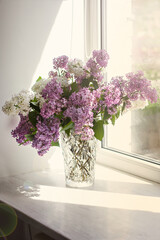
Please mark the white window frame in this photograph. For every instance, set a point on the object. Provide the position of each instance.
(94, 25)
(129, 164)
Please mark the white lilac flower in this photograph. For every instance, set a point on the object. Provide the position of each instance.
(40, 99)
(22, 101)
(63, 81)
(138, 104)
(10, 109)
(76, 67)
(19, 103)
(40, 85)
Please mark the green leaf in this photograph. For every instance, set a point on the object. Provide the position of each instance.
(16, 106)
(39, 79)
(34, 100)
(74, 87)
(33, 117)
(98, 130)
(123, 107)
(95, 84)
(35, 107)
(34, 132)
(106, 114)
(68, 131)
(67, 126)
(117, 114)
(29, 137)
(56, 144)
(86, 82)
(113, 119)
(66, 92)
(106, 122)
(59, 116)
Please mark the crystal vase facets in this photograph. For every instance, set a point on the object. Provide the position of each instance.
(79, 160)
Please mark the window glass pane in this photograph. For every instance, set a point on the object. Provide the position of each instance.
(132, 30)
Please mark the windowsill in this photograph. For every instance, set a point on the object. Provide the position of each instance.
(118, 206)
(128, 164)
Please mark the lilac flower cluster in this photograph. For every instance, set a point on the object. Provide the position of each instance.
(74, 98)
(60, 62)
(134, 87)
(97, 62)
(84, 97)
(54, 102)
(79, 109)
(138, 87)
(47, 131)
(112, 98)
(23, 128)
(101, 57)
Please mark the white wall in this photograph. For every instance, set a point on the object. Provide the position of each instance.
(32, 32)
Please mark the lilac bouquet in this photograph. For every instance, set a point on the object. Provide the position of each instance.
(74, 99)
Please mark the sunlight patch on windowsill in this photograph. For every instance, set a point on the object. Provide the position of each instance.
(98, 199)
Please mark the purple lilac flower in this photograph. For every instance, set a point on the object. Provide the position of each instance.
(112, 95)
(80, 106)
(107, 96)
(138, 87)
(82, 98)
(97, 62)
(23, 128)
(151, 95)
(48, 109)
(92, 64)
(128, 104)
(52, 74)
(87, 133)
(119, 83)
(54, 101)
(47, 131)
(94, 69)
(81, 116)
(101, 56)
(68, 75)
(99, 77)
(52, 90)
(60, 62)
(97, 99)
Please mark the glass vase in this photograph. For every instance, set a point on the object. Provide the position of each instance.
(79, 160)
